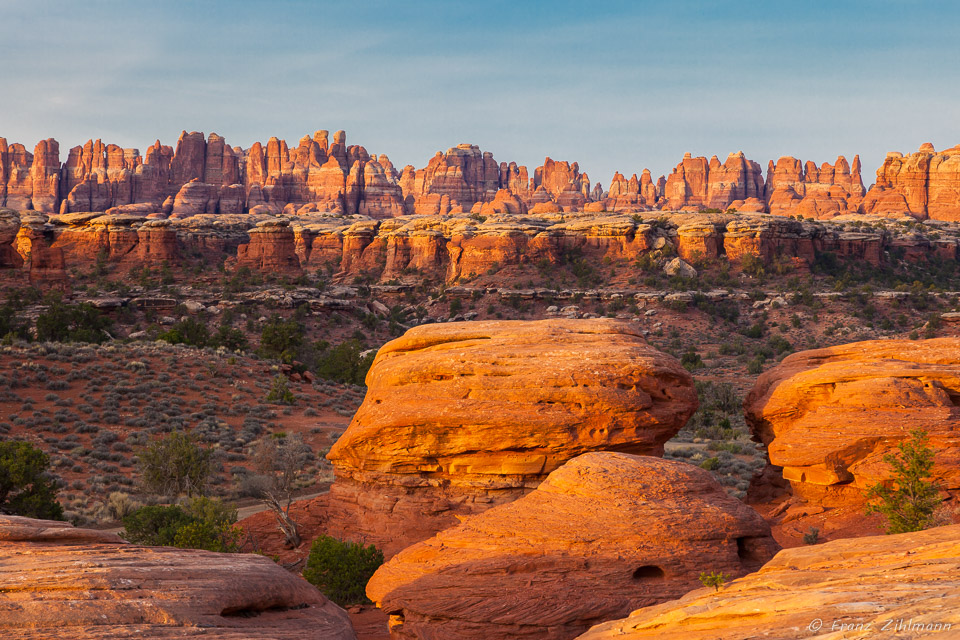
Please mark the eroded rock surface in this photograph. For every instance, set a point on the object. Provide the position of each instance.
(461, 417)
(57, 581)
(602, 535)
(900, 586)
(829, 415)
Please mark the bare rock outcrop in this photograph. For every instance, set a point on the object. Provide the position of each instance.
(461, 417)
(57, 581)
(902, 586)
(604, 534)
(925, 184)
(829, 415)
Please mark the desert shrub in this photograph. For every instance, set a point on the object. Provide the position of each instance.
(202, 523)
(281, 339)
(72, 323)
(909, 498)
(175, 465)
(190, 332)
(344, 363)
(713, 579)
(230, 338)
(341, 569)
(25, 487)
(280, 391)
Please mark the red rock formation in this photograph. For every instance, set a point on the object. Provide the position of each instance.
(604, 534)
(9, 228)
(829, 415)
(271, 248)
(906, 582)
(464, 175)
(699, 183)
(42, 261)
(924, 185)
(496, 419)
(564, 183)
(60, 582)
(810, 192)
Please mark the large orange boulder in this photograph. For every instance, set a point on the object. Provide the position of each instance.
(602, 535)
(828, 416)
(901, 586)
(60, 582)
(463, 416)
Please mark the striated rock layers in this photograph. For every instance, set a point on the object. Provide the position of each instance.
(699, 183)
(447, 248)
(925, 184)
(793, 188)
(900, 586)
(461, 417)
(829, 415)
(57, 581)
(604, 534)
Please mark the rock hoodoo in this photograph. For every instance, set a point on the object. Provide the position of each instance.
(461, 417)
(907, 584)
(602, 535)
(57, 581)
(829, 415)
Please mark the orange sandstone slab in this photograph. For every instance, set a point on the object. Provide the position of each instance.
(57, 581)
(901, 586)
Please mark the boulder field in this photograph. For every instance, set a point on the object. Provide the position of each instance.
(828, 416)
(57, 581)
(461, 417)
(899, 586)
(602, 535)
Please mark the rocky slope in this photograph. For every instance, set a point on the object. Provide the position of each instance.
(829, 415)
(903, 586)
(602, 535)
(461, 417)
(58, 581)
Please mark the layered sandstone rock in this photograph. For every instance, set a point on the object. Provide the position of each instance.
(793, 188)
(604, 534)
(697, 183)
(829, 415)
(903, 586)
(925, 184)
(58, 581)
(271, 248)
(461, 417)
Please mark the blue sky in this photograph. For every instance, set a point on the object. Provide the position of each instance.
(617, 86)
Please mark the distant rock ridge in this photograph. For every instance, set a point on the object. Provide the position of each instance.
(455, 247)
(323, 174)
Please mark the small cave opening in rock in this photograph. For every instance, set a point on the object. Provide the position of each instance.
(648, 572)
(748, 551)
(254, 611)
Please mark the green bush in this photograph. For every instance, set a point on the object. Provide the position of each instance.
(342, 569)
(343, 363)
(175, 465)
(280, 392)
(281, 339)
(25, 487)
(910, 497)
(189, 332)
(202, 523)
(72, 323)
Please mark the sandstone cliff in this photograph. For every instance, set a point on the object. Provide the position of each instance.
(925, 184)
